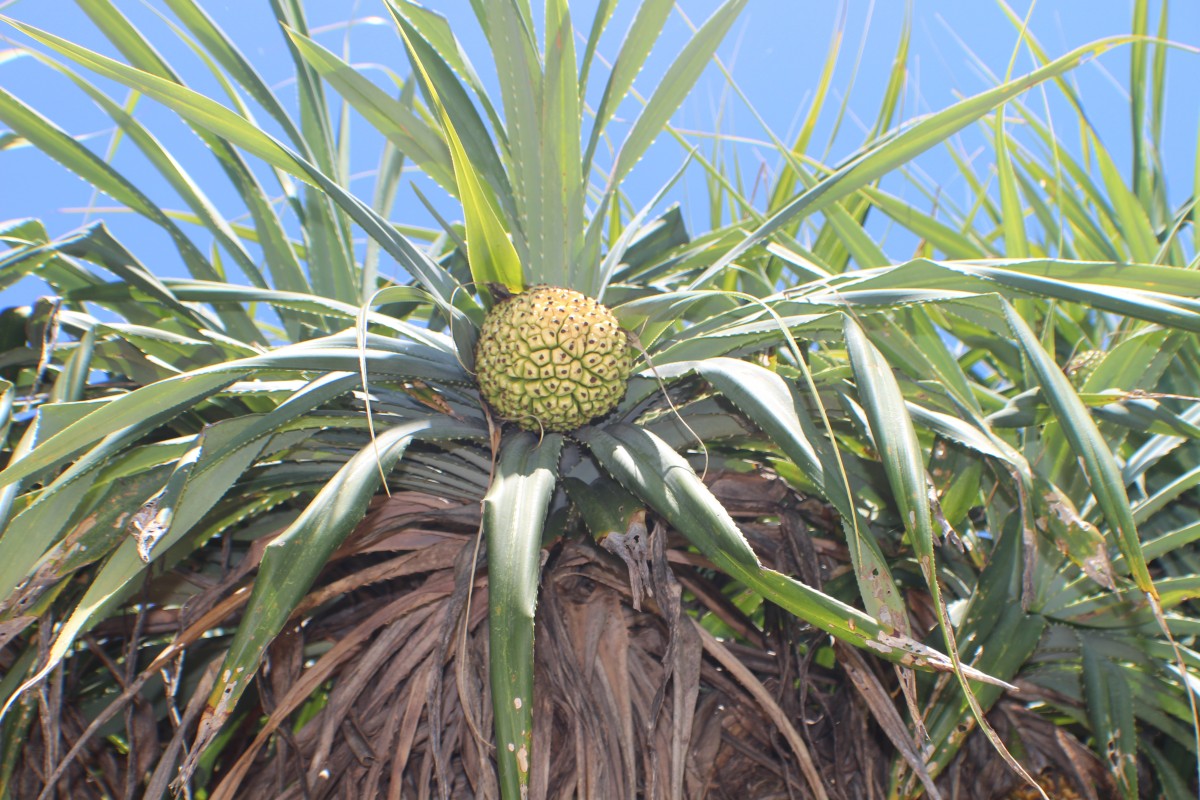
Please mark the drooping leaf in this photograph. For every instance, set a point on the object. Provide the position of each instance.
(895, 437)
(211, 116)
(292, 561)
(514, 511)
(666, 482)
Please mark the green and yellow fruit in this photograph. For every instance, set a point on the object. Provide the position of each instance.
(552, 359)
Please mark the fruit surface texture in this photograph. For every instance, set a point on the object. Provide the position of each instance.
(552, 359)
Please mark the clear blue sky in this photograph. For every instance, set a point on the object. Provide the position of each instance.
(775, 51)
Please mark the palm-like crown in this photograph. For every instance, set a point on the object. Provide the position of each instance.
(922, 401)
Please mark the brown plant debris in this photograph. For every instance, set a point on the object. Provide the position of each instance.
(378, 685)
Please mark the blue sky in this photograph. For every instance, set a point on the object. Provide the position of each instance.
(776, 52)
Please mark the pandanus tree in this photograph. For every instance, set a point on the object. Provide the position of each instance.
(802, 451)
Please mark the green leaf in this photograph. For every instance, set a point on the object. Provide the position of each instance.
(635, 48)
(767, 401)
(149, 406)
(559, 234)
(435, 29)
(900, 451)
(786, 184)
(637, 241)
(605, 506)
(326, 227)
(490, 252)
(215, 118)
(292, 561)
(285, 267)
(514, 511)
(218, 45)
(123, 417)
(1016, 243)
(94, 243)
(208, 292)
(206, 213)
(890, 153)
(387, 182)
(392, 118)
(317, 138)
(604, 11)
(1089, 445)
(1161, 295)
(28, 535)
(442, 59)
(651, 470)
(60, 146)
(998, 637)
(1135, 227)
(7, 394)
(510, 32)
(1109, 704)
(681, 76)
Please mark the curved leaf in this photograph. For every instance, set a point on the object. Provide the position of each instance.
(650, 469)
(901, 454)
(885, 156)
(767, 401)
(292, 561)
(1089, 445)
(144, 408)
(216, 118)
(670, 92)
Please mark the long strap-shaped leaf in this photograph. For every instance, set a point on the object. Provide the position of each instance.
(1162, 295)
(212, 116)
(649, 468)
(286, 572)
(206, 213)
(292, 561)
(443, 63)
(514, 511)
(391, 117)
(326, 229)
(28, 534)
(490, 251)
(1088, 443)
(60, 146)
(508, 25)
(435, 29)
(900, 451)
(277, 252)
(218, 292)
(643, 32)
(151, 405)
(670, 92)
(226, 53)
(219, 456)
(767, 401)
(559, 233)
(1105, 479)
(1110, 709)
(681, 76)
(901, 148)
(999, 638)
